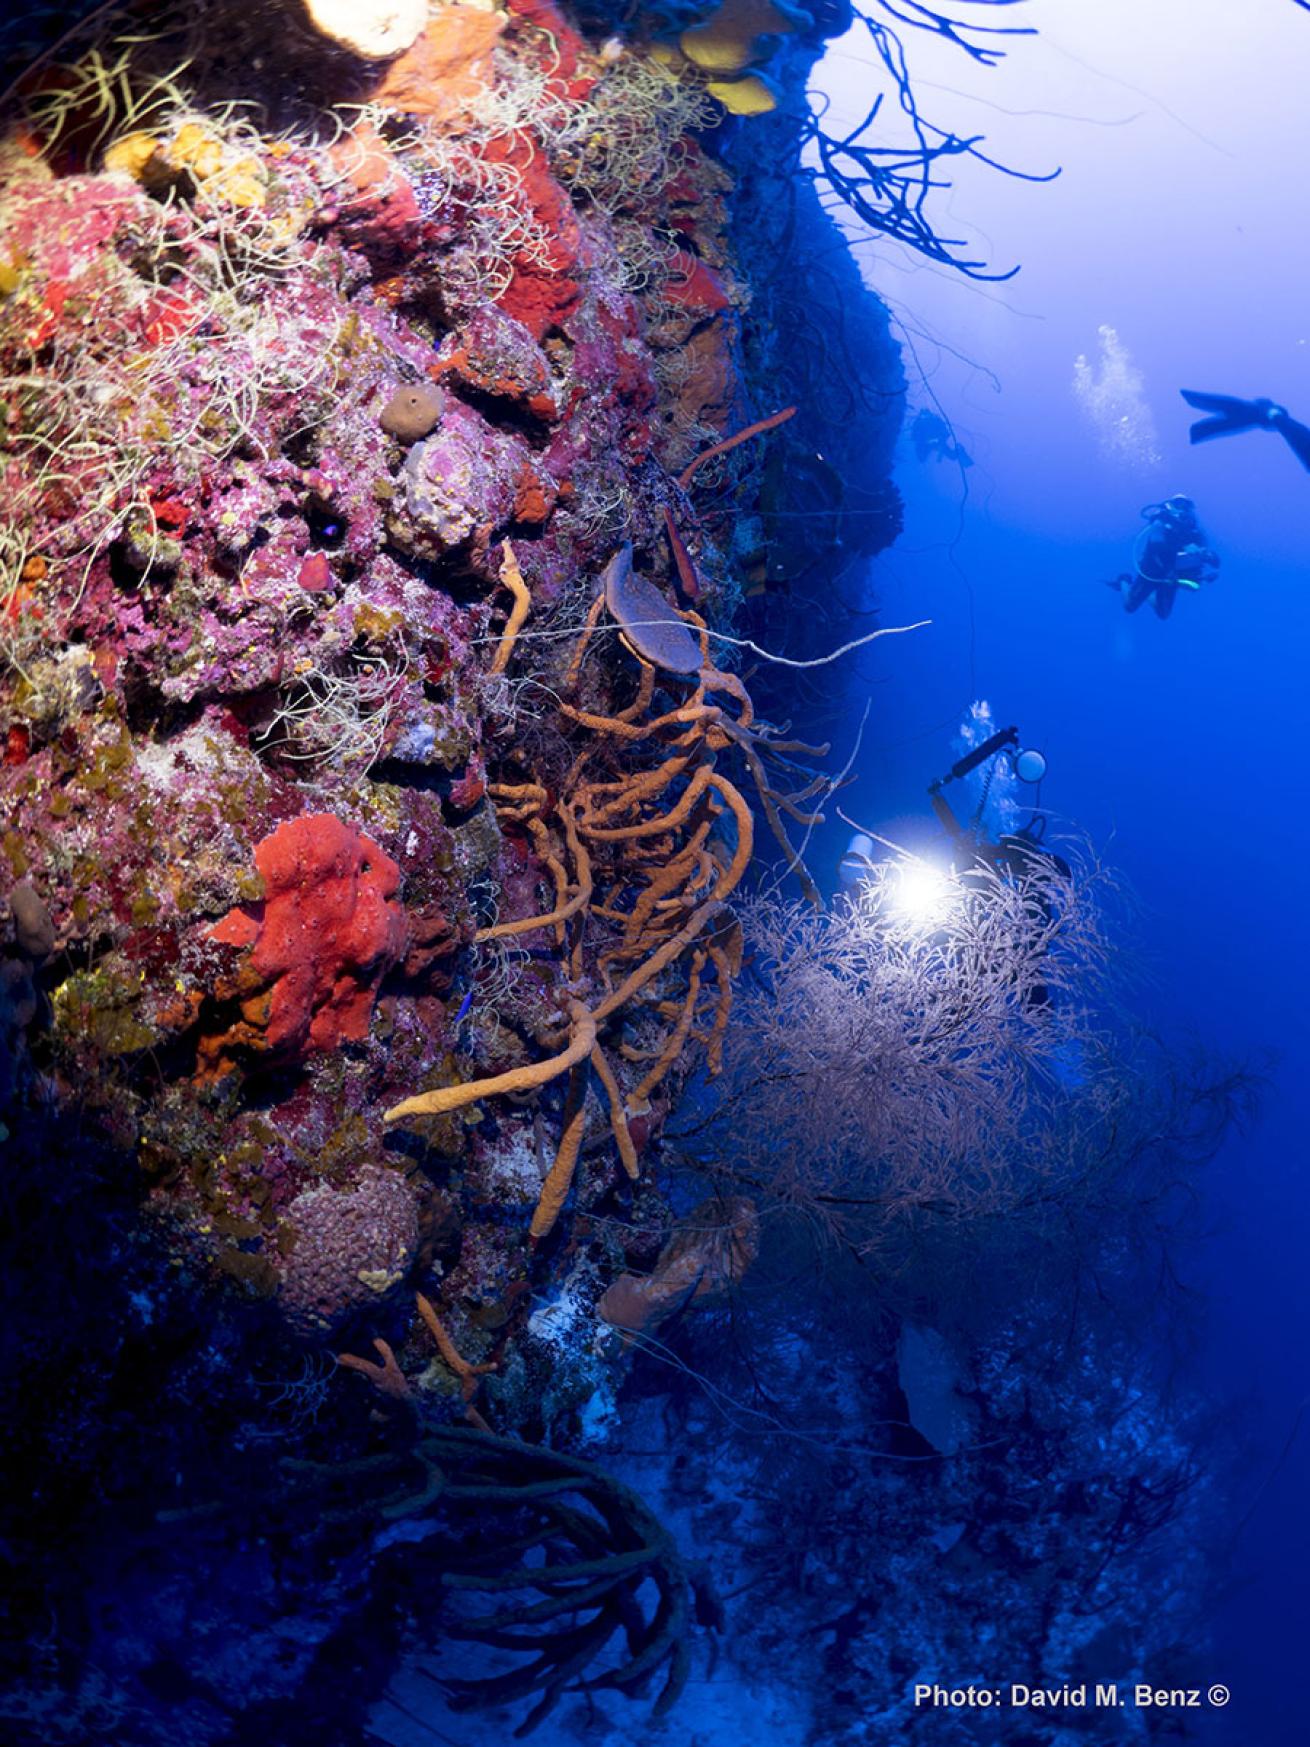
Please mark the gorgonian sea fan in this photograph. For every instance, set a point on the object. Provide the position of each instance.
(892, 1065)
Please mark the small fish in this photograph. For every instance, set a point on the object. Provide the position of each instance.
(464, 1006)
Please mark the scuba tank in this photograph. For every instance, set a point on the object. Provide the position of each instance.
(854, 865)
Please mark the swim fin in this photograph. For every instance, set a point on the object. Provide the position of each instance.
(1296, 436)
(1228, 414)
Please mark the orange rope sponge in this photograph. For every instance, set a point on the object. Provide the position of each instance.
(563, 910)
(722, 1012)
(437, 1103)
(512, 577)
(676, 1039)
(388, 1376)
(468, 1374)
(618, 1120)
(696, 712)
(703, 779)
(761, 425)
(580, 647)
(559, 1179)
(657, 961)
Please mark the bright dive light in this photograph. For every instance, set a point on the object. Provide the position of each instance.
(923, 894)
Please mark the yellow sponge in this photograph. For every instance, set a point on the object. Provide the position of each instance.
(753, 95)
(727, 41)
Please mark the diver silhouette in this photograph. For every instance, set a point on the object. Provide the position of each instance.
(1169, 553)
(1228, 416)
(934, 439)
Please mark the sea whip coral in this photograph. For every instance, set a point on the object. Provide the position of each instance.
(327, 932)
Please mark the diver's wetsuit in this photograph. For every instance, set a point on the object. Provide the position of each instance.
(933, 438)
(1157, 553)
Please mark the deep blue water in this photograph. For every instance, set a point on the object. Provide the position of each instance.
(1178, 747)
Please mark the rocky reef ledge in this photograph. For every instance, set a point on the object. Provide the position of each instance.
(367, 870)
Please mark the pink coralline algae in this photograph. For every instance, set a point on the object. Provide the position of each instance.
(327, 932)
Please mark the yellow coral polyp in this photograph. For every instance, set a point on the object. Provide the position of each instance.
(196, 150)
(239, 184)
(202, 154)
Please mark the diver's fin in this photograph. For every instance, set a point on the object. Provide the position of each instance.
(1297, 438)
(1228, 414)
(1204, 429)
(1228, 404)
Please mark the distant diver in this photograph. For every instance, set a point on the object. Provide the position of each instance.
(934, 439)
(1228, 416)
(1168, 554)
(1013, 854)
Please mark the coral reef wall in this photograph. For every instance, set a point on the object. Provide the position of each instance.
(367, 892)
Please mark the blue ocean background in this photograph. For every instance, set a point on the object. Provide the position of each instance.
(1179, 748)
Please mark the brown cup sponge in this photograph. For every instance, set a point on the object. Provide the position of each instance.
(412, 411)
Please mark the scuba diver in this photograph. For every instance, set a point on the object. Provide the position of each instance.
(1168, 554)
(1013, 852)
(1228, 416)
(933, 438)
